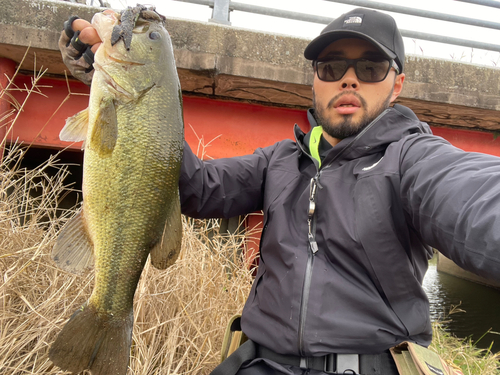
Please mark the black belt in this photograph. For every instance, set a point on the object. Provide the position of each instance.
(366, 364)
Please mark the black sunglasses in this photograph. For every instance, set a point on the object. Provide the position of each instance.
(367, 70)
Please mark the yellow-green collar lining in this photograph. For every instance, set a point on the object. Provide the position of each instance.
(316, 134)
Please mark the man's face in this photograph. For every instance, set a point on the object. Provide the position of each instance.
(345, 107)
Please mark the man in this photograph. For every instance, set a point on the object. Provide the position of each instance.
(350, 212)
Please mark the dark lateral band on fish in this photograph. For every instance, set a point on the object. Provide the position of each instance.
(128, 20)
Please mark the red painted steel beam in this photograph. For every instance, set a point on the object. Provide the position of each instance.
(469, 140)
(46, 111)
(7, 70)
(216, 128)
(227, 128)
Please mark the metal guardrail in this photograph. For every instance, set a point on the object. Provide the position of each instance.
(222, 9)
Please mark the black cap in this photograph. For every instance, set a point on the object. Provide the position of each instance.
(378, 28)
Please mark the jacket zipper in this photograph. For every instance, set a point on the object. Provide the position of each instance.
(313, 247)
(311, 223)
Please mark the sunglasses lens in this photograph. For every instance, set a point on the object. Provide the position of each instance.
(366, 70)
(372, 71)
(331, 70)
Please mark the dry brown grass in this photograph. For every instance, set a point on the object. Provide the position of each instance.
(30, 304)
(180, 313)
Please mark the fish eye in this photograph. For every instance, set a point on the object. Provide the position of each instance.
(154, 35)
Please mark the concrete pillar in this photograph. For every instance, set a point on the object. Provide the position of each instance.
(7, 69)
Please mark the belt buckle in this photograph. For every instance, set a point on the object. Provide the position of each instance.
(329, 365)
(303, 363)
(347, 364)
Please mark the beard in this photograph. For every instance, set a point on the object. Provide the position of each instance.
(347, 127)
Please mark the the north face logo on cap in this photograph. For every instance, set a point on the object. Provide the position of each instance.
(353, 20)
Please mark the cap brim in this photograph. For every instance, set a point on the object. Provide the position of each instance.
(318, 44)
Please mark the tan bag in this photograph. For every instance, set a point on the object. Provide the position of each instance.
(233, 337)
(413, 359)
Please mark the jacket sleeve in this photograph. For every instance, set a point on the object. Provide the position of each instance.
(222, 188)
(453, 200)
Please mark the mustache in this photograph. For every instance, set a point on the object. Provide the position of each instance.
(333, 100)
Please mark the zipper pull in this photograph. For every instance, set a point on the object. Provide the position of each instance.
(312, 208)
(312, 197)
(313, 186)
(313, 244)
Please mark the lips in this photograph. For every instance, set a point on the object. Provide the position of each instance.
(347, 101)
(347, 104)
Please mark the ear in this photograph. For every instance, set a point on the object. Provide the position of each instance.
(398, 86)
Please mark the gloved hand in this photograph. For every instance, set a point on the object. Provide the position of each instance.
(77, 43)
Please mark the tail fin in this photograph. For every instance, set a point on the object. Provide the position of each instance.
(88, 341)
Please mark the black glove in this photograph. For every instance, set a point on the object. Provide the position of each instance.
(77, 56)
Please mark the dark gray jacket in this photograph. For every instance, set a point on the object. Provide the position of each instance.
(383, 197)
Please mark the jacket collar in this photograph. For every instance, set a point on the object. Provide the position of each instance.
(391, 126)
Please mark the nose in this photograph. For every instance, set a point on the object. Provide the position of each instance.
(349, 80)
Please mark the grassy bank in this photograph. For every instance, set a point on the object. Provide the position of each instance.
(463, 353)
(180, 313)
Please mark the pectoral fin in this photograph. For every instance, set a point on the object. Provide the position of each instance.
(76, 127)
(166, 251)
(105, 130)
(73, 250)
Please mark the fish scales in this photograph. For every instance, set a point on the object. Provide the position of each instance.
(122, 212)
(133, 132)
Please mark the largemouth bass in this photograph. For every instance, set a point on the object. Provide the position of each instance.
(133, 132)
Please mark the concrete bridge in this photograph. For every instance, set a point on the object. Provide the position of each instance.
(242, 89)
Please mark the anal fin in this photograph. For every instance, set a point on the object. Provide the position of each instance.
(73, 250)
(166, 251)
